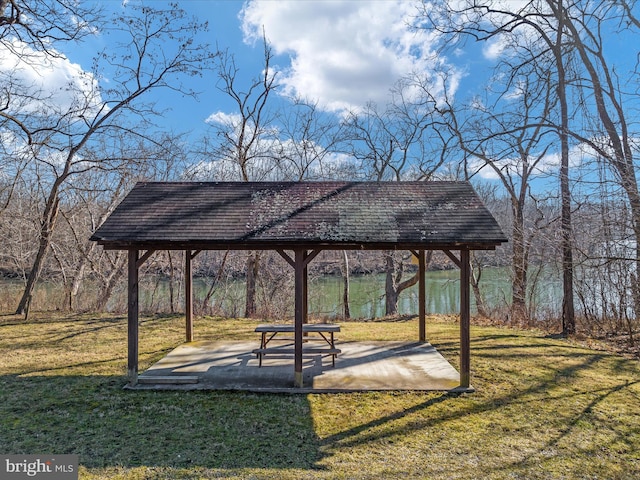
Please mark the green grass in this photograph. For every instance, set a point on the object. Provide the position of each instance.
(544, 408)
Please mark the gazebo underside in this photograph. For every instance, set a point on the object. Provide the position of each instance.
(299, 220)
(362, 366)
(299, 261)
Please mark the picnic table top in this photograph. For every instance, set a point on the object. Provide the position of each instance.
(307, 327)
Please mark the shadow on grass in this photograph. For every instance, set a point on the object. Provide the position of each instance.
(584, 415)
(358, 434)
(107, 427)
(544, 397)
(502, 343)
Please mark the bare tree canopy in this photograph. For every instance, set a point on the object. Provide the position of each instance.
(58, 138)
(42, 24)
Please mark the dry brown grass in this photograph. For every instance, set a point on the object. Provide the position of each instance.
(544, 408)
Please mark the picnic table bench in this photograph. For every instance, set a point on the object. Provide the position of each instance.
(325, 333)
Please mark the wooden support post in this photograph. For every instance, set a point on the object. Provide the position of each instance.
(305, 296)
(188, 296)
(305, 291)
(300, 303)
(465, 319)
(132, 318)
(422, 297)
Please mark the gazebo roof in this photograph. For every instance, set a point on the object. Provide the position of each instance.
(268, 215)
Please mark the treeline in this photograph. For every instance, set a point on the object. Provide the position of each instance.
(553, 126)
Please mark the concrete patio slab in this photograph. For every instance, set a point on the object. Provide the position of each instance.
(362, 366)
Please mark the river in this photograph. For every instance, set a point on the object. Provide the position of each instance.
(366, 299)
(325, 294)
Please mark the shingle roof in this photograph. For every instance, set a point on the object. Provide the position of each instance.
(263, 215)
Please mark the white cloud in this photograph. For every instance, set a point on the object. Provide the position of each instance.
(494, 48)
(548, 164)
(518, 90)
(276, 159)
(11, 144)
(343, 53)
(44, 85)
(222, 118)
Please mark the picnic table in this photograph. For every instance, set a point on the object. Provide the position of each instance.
(325, 333)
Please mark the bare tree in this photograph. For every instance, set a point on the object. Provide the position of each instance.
(592, 106)
(612, 138)
(541, 65)
(239, 138)
(64, 134)
(257, 142)
(602, 283)
(29, 30)
(395, 143)
(514, 145)
(91, 198)
(42, 24)
(308, 145)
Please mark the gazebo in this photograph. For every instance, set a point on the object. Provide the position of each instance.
(299, 220)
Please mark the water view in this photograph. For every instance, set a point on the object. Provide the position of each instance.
(366, 298)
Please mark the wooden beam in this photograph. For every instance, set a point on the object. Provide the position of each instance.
(144, 258)
(188, 295)
(465, 319)
(261, 245)
(299, 262)
(453, 258)
(132, 317)
(422, 297)
(300, 270)
(310, 256)
(287, 258)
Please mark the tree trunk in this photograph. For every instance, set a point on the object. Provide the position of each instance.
(345, 293)
(390, 290)
(66, 303)
(519, 315)
(252, 275)
(393, 285)
(107, 290)
(76, 282)
(111, 281)
(214, 282)
(635, 281)
(79, 276)
(568, 311)
(475, 285)
(49, 219)
(171, 283)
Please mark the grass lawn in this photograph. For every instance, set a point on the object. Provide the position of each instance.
(544, 408)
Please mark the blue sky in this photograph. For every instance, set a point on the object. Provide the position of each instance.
(340, 53)
(187, 114)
